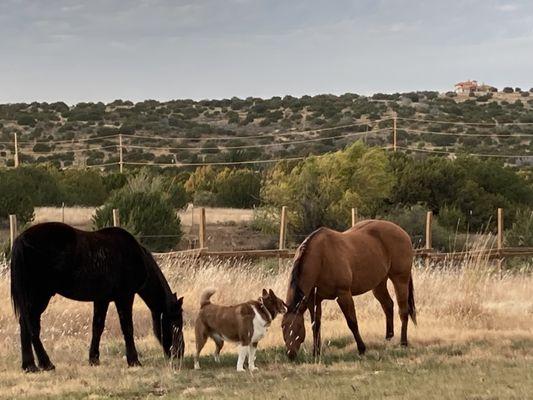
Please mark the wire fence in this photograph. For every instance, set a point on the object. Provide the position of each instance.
(387, 136)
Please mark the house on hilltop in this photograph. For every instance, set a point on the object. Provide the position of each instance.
(473, 86)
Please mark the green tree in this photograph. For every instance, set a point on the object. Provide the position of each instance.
(239, 188)
(82, 187)
(321, 190)
(473, 187)
(14, 198)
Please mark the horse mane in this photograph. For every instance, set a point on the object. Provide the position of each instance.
(297, 270)
(153, 268)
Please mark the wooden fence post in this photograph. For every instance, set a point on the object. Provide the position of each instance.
(283, 228)
(394, 126)
(282, 232)
(116, 217)
(499, 241)
(354, 216)
(120, 156)
(13, 229)
(63, 212)
(16, 155)
(201, 232)
(429, 238)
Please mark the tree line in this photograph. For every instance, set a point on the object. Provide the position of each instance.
(463, 193)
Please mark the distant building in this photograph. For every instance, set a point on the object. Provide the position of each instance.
(466, 86)
(473, 86)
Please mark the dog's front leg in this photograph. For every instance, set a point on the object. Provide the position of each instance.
(251, 357)
(243, 352)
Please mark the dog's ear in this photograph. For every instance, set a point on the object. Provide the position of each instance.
(265, 293)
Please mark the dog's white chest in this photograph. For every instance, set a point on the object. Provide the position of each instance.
(260, 327)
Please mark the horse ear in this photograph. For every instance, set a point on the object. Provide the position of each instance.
(271, 292)
(265, 293)
(175, 295)
(180, 301)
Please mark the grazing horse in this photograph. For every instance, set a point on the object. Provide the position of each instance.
(338, 265)
(103, 266)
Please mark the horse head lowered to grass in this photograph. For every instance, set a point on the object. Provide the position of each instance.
(105, 266)
(338, 265)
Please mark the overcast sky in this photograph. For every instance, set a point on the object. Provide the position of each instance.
(101, 50)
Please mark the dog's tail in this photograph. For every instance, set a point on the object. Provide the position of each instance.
(205, 298)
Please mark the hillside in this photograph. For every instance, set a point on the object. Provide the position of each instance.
(236, 130)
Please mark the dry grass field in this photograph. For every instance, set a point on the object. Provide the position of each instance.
(81, 216)
(474, 341)
(216, 215)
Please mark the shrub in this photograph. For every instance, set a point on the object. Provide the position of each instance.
(266, 219)
(413, 221)
(26, 120)
(507, 90)
(14, 198)
(41, 148)
(521, 232)
(238, 188)
(204, 198)
(177, 194)
(82, 187)
(233, 117)
(146, 211)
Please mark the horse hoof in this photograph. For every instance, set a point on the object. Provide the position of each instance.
(361, 350)
(30, 368)
(404, 344)
(94, 362)
(389, 337)
(48, 367)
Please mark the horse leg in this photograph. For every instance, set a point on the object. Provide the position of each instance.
(345, 301)
(401, 287)
(28, 361)
(37, 308)
(99, 315)
(315, 309)
(382, 294)
(124, 308)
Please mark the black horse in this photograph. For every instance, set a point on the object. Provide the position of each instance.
(103, 266)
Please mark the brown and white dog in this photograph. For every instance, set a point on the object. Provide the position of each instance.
(245, 324)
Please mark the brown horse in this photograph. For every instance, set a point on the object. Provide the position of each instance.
(338, 265)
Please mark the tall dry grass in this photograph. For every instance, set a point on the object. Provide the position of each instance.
(456, 301)
(473, 339)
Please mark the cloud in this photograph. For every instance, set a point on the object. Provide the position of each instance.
(208, 48)
(507, 7)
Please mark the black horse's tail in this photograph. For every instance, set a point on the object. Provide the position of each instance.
(411, 301)
(19, 278)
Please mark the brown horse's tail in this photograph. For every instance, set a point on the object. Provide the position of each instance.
(411, 301)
